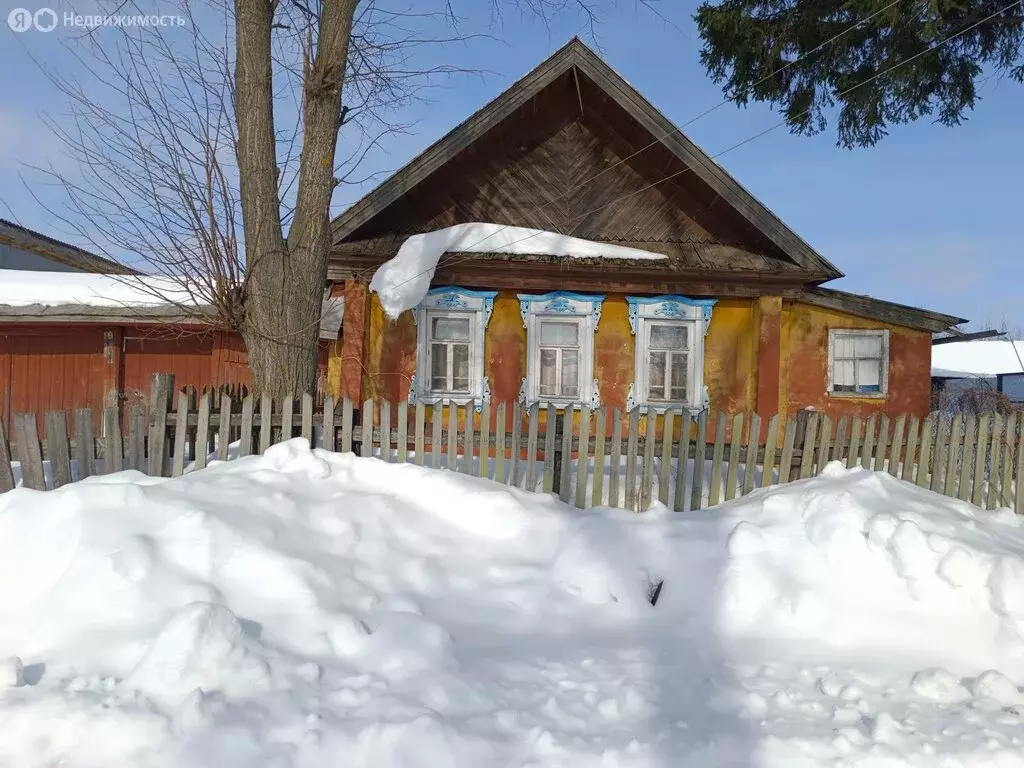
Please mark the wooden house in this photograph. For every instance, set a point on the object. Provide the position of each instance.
(733, 317)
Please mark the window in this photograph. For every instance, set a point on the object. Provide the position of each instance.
(450, 324)
(858, 363)
(669, 334)
(560, 339)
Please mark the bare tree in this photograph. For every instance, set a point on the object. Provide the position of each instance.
(211, 158)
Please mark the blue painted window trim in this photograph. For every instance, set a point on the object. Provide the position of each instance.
(669, 311)
(454, 294)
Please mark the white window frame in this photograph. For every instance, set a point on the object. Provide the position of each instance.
(883, 334)
(561, 306)
(695, 314)
(452, 301)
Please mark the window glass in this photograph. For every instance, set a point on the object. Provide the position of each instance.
(559, 334)
(668, 336)
(450, 329)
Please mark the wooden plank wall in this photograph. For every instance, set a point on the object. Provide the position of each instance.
(629, 460)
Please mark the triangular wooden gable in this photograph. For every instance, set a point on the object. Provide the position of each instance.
(573, 148)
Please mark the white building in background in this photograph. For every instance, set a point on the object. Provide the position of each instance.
(996, 364)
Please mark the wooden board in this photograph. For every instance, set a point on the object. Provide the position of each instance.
(549, 450)
(287, 417)
(29, 453)
(366, 443)
(700, 451)
(753, 439)
(1019, 504)
(137, 427)
(517, 437)
(59, 450)
(897, 445)
(467, 439)
(632, 501)
(85, 445)
(566, 468)
(500, 425)
(484, 466)
(1013, 423)
(403, 432)
(159, 403)
(419, 431)
(452, 448)
(202, 431)
(615, 459)
(910, 455)
(967, 457)
(807, 449)
(980, 459)
(939, 454)
(882, 443)
(6, 471)
(953, 461)
(647, 475)
(715, 490)
(667, 438)
(867, 457)
(583, 458)
(735, 445)
(995, 463)
(113, 448)
(924, 457)
(307, 416)
(685, 428)
(853, 453)
(824, 443)
(435, 436)
(385, 432)
(266, 423)
(786, 459)
(327, 432)
(347, 423)
(770, 448)
(180, 436)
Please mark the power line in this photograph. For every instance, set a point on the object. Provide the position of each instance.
(739, 144)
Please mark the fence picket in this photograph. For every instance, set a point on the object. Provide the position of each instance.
(467, 438)
(327, 434)
(347, 423)
(685, 427)
(452, 448)
(1013, 423)
(30, 453)
(807, 449)
(57, 444)
(287, 417)
(994, 464)
(980, 460)
(939, 458)
(882, 443)
(732, 476)
(615, 460)
(786, 459)
(385, 432)
(907, 473)
(307, 416)
(700, 452)
(924, 463)
(563, 492)
(160, 398)
(770, 447)
(1019, 506)
(718, 453)
(647, 472)
(419, 430)
(753, 442)
(435, 435)
(549, 450)
(517, 437)
(266, 423)
(967, 457)
(842, 438)
(85, 445)
(897, 444)
(597, 494)
(403, 432)
(366, 441)
(867, 458)
(631, 501)
(500, 425)
(202, 432)
(113, 448)
(824, 437)
(180, 435)
(245, 439)
(583, 458)
(530, 483)
(485, 440)
(667, 438)
(137, 427)
(6, 470)
(853, 454)
(953, 462)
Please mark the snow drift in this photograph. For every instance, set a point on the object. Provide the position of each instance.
(313, 609)
(404, 280)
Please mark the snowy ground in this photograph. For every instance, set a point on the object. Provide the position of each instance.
(314, 609)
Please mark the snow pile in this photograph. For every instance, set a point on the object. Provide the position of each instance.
(21, 288)
(311, 609)
(403, 281)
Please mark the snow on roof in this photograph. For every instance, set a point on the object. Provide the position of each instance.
(403, 281)
(987, 357)
(20, 288)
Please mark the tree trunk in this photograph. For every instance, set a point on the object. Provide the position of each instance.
(285, 279)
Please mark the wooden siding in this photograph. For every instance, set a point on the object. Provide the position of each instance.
(147, 351)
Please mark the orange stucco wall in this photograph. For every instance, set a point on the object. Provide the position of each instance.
(804, 377)
(786, 340)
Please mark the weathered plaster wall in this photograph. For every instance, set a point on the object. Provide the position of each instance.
(804, 380)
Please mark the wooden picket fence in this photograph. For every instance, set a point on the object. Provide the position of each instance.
(628, 459)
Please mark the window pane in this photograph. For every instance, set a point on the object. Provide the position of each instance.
(450, 329)
(548, 363)
(869, 374)
(460, 367)
(665, 336)
(868, 346)
(439, 367)
(570, 373)
(842, 374)
(656, 376)
(678, 377)
(843, 346)
(560, 334)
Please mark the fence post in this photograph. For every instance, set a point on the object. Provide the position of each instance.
(159, 404)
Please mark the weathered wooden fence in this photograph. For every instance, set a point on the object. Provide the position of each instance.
(628, 459)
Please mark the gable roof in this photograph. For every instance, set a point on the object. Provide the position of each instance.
(30, 241)
(579, 59)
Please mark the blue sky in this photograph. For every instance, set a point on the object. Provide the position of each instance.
(931, 216)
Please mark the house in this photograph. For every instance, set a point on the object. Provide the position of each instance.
(80, 331)
(995, 365)
(628, 269)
